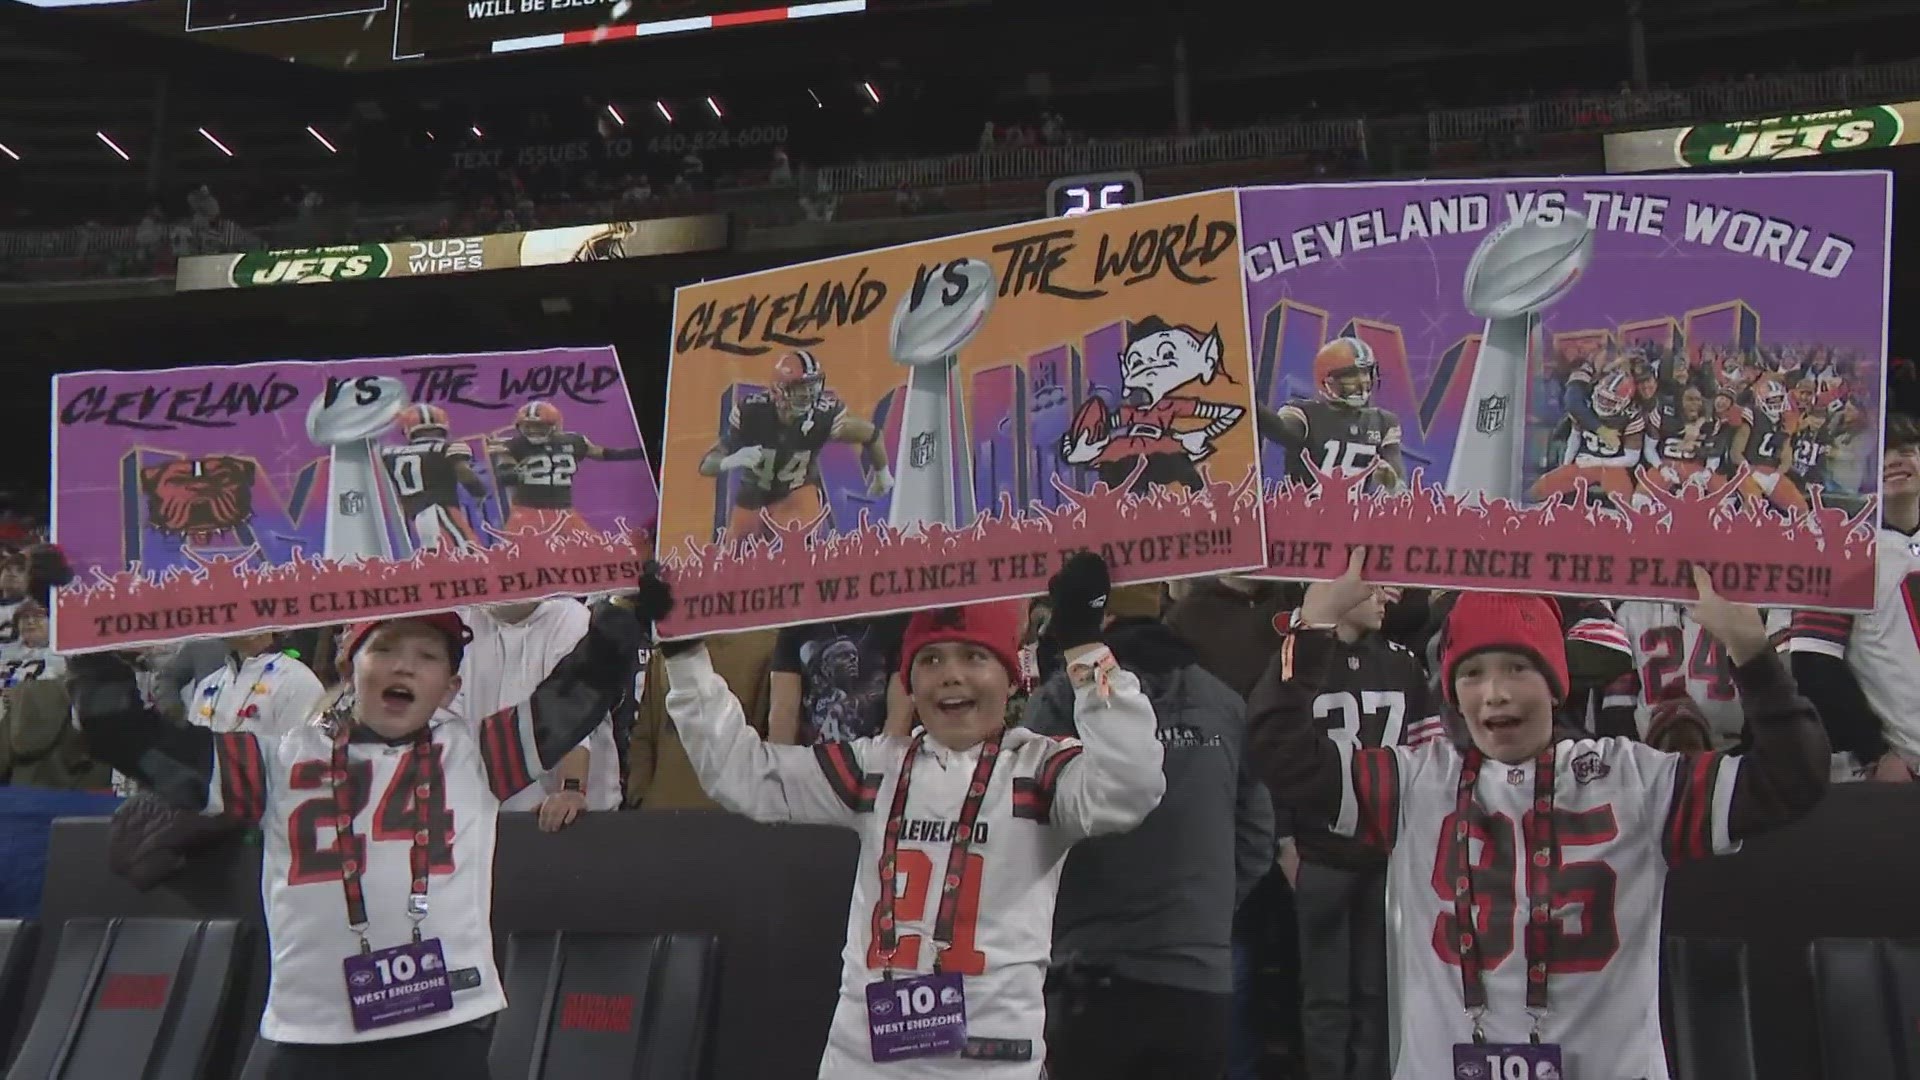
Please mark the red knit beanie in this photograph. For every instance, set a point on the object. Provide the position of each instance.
(1525, 623)
(995, 627)
(449, 623)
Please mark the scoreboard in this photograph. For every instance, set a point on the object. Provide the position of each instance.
(1071, 196)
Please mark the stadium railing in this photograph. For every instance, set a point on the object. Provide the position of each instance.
(1004, 178)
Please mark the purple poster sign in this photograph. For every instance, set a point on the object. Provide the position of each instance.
(223, 500)
(1578, 385)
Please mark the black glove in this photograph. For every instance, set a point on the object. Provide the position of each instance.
(47, 569)
(653, 601)
(1079, 596)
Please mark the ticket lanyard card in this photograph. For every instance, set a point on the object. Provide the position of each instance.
(1507, 1061)
(392, 986)
(922, 1016)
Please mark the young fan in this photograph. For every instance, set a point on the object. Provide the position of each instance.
(964, 826)
(378, 820)
(1529, 871)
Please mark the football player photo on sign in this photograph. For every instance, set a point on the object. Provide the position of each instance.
(220, 501)
(941, 422)
(1577, 385)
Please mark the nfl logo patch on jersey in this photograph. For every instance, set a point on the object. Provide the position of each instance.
(1587, 767)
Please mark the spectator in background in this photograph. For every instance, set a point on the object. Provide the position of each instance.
(39, 746)
(830, 681)
(1141, 984)
(178, 668)
(1375, 695)
(638, 192)
(1862, 672)
(1230, 622)
(782, 173)
(257, 688)
(659, 776)
(514, 647)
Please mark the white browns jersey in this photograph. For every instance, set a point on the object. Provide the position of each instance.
(281, 786)
(1045, 794)
(1881, 647)
(1672, 655)
(1623, 811)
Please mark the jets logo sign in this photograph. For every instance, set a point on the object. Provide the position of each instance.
(303, 266)
(1795, 136)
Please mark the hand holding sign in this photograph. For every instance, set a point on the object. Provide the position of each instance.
(1738, 627)
(1327, 601)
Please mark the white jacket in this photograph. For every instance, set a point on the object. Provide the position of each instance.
(1044, 795)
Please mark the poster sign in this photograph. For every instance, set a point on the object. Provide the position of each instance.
(1579, 385)
(943, 422)
(212, 501)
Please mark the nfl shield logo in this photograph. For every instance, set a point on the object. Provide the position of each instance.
(920, 454)
(352, 503)
(1492, 414)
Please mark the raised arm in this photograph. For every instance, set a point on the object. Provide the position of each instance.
(178, 761)
(1112, 777)
(1356, 788)
(520, 743)
(820, 785)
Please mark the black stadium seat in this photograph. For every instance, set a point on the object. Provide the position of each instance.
(1903, 975)
(17, 939)
(146, 998)
(1707, 993)
(1853, 1008)
(612, 1006)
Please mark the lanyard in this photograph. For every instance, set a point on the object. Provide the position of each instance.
(956, 858)
(1542, 854)
(426, 794)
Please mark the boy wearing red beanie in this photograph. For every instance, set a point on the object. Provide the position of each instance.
(1529, 869)
(964, 826)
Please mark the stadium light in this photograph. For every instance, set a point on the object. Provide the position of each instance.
(477, 133)
(111, 145)
(872, 94)
(322, 139)
(817, 103)
(8, 150)
(665, 113)
(217, 144)
(615, 113)
(714, 107)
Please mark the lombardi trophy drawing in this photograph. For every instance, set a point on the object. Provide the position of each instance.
(346, 421)
(1518, 271)
(933, 463)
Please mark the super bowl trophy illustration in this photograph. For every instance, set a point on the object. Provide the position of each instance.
(346, 419)
(1518, 271)
(933, 467)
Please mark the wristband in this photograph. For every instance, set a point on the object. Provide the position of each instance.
(573, 786)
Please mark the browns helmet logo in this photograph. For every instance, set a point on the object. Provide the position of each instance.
(197, 496)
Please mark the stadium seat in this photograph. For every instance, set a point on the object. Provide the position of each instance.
(17, 939)
(148, 998)
(618, 1006)
(1852, 1007)
(1903, 973)
(1707, 993)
